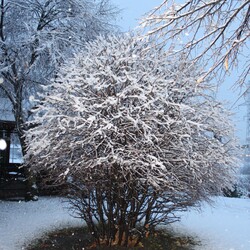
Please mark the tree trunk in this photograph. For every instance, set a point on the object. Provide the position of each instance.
(20, 127)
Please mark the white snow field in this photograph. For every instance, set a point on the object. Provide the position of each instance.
(224, 226)
(20, 222)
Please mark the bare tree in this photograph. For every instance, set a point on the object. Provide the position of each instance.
(36, 37)
(133, 136)
(215, 31)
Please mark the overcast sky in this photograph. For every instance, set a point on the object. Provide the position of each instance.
(131, 12)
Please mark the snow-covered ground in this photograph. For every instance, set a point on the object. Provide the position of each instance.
(224, 226)
(20, 222)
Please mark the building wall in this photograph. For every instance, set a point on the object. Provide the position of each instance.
(6, 110)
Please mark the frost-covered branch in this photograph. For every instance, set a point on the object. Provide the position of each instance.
(132, 134)
(37, 36)
(216, 31)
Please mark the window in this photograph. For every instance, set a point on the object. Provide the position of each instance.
(16, 155)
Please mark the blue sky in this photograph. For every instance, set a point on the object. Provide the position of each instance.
(131, 12)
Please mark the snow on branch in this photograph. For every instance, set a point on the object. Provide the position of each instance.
(135, 139)
(120, 103)
(216, 31)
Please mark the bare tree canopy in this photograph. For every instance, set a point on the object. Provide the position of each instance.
(37, 36)
(214, 31)
(133, 135)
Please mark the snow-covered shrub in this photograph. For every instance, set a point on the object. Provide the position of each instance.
(134, 135)
(234, 192)
(244, 185)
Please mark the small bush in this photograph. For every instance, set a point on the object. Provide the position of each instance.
(134, 136)
(234, 192)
